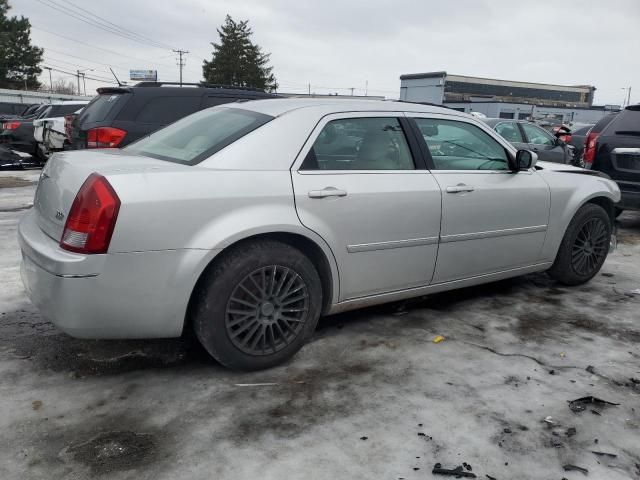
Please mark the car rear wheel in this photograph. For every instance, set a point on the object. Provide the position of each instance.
(584, 247)
(258, 305)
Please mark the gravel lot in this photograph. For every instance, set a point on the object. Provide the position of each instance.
(372, 396)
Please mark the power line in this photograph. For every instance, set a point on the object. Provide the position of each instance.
(75, 75)
(123, 29)
(96, 22)
(97, 48)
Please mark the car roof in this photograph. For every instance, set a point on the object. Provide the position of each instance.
(276, 107)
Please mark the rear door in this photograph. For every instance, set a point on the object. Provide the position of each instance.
(361, 187)
(492, 219)
(543, 143)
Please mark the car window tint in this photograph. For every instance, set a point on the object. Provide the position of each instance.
(198, 136)
(536, 135)
(374, 143)
(510, 132)
(461, 146)
(165, 110)
(100, 106)
(582, 130)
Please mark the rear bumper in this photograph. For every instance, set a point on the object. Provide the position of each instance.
(121, 295)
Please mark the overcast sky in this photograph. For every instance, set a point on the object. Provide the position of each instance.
(337, 45)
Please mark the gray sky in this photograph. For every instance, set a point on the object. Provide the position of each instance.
(336, 45)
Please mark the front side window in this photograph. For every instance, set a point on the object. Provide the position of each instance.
(461, 146)
(536, 135)
(374, 143)
(198, 136)
(510, 132)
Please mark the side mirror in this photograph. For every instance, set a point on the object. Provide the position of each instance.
(525, 159)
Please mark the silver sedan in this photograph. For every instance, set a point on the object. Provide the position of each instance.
(249, 221)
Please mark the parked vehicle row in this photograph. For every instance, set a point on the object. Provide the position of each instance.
(18, 133)
(247, 221)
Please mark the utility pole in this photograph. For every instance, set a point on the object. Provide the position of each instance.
(84, 85)
(78, 77)
(50, 81)
(180, 62)
(309, 89)
(628, 96)
(352, 89)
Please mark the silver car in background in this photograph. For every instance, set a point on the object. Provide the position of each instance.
(249, 221)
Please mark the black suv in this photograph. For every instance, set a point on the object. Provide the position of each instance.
(121, 115)
(613, 147)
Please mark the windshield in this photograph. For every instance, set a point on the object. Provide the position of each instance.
(198, 136)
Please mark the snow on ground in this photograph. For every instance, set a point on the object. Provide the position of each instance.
(370, 397)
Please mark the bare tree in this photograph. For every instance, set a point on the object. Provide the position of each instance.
(60, 85)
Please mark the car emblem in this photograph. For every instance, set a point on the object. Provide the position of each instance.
(59, 215)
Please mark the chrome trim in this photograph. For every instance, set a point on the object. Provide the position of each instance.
(492, 233)
(385, 297)
(73, 275)
(413, 242)
(626, 151)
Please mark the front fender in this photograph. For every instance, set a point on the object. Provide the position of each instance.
(569, 192)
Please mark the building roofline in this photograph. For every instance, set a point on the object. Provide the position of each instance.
(446, 103)
(413, 76)
(416, 76)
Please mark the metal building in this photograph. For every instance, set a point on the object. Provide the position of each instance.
(503, 98)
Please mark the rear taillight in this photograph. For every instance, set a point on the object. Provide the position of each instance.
(104, 137)
(590, 147)
(10, 125)
(92, 217)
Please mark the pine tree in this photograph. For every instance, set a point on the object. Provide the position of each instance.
(19, 60)
(237, 61)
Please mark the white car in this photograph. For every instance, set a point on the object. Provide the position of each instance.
(248, 221)
(50, 133)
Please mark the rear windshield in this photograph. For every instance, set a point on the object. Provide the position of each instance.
(626, 123)
(99, 107)
(198, 136)
(62, 110)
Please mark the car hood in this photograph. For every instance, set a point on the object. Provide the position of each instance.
(559, 167)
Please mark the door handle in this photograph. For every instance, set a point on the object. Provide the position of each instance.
(327, 192)
(460, 188)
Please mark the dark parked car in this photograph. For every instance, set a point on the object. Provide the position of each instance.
(577, 138)
(17, 133)
(613, 147)
(18, 110)
(121, 115)
(526, 135)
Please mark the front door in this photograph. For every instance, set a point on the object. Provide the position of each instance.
(357, 185)
(492, 219)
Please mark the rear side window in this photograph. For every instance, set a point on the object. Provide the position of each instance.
(99, 107)
(198, 136)
(360, 144)
(165, 110)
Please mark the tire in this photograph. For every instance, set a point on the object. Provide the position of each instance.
(584, 247)
(617, 212)
(243, 318)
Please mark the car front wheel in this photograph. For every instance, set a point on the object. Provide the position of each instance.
(584, 247)
(258, 305)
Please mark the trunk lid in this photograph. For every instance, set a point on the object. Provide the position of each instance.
(65, 172)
